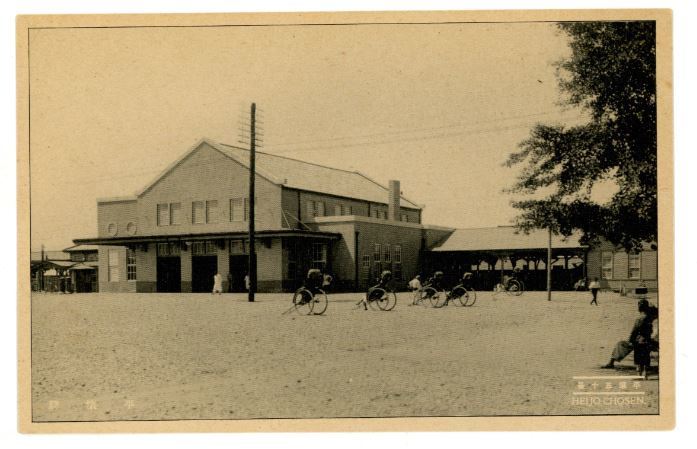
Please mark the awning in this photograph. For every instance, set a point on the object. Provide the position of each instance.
(81, 266)
(127, 240)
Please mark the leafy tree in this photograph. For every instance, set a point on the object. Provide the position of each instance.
(611, 74)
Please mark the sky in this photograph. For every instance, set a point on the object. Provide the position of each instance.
(438, 107)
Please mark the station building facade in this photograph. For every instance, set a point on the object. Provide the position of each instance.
(191, 222)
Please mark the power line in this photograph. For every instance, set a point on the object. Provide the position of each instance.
(413, 139)
(415, 130)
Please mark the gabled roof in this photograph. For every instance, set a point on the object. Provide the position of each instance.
(298, 174)
(504, 238)
(76, 248)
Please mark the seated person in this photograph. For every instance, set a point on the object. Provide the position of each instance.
(383, 282)
(467, 280)
(641, 340)
(314, 280)
(436, 281)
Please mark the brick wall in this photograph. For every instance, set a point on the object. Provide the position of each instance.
(118, 213)
(123, 284)
(205, 175)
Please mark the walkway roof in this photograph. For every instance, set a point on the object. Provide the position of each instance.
(503, 238)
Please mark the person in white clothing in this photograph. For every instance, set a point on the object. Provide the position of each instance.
(217, 283)
(415, 284)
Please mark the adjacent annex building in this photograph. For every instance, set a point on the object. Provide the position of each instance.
(191, 222)
(493, 252)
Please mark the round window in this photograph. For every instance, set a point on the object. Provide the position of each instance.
(131, 228)
(112, 229)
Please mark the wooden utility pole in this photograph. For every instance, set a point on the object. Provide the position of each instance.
(252, 173)
(549, 264)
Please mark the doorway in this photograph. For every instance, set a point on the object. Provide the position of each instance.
(203, 268)
(239, 267)
(169, 270)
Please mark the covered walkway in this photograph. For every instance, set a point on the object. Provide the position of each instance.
(492, 253)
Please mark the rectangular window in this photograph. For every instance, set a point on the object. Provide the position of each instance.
(163, 214)
(398, 253)
(607, 265)
(310, 208)
(319, 255)
(635, 266)
(319, 209)
(405, 218)
(198, 212)
(169, 214)
(175, 213)
(211, 247)
(77, 257)
(384, 214)
(114, 265)
(237, 209)
(377, 270)
(212, 211)
(366, 261)
(386, 253)
(397, 271)
(168, 249)
(338, 209)
(238, 247)
(198, 248)
(163, 249)
(292, 254)
(377, 252)
(92, 257)
(375, 213)
(130, 264)
(349, 210)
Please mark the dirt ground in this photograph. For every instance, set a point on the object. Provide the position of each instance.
(102, 357)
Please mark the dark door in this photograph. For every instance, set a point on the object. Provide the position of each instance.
(83, 281)
(239, 267)
(203, 268)
(169, 271)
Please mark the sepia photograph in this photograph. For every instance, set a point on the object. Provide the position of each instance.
(364, 221)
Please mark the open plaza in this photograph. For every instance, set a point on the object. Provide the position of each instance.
(126, 356)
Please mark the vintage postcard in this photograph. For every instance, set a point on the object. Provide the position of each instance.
(346, 221)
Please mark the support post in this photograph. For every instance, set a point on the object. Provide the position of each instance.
(549, 264)
(252, 173)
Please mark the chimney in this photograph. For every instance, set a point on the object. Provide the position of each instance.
(393, 201)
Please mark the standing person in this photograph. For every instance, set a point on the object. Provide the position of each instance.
(246, 281)
(415, 284)
(218, 283)
(229, 282)
(594, 286)
(414, 287)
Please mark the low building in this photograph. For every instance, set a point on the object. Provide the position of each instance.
(192, 221)
(49, 271)
(620, 270)
(84, 273)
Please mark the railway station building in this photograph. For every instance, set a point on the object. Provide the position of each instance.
(191, 222)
